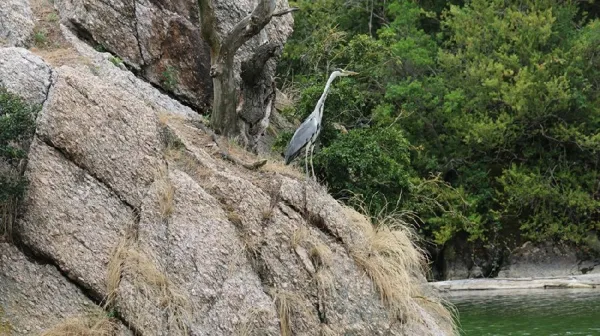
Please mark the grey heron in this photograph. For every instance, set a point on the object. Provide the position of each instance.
(307, 133)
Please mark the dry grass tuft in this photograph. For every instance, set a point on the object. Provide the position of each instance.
(235, 218)
(8, 215)
(93, 325)
(300, 235)
(66, 55)
(326, 331)
(286, 303)
(155, 286)
(324, 281)
(321, 255)
(163, 118)
(392, 261)
(249, 326)
(277, 166)
(395, 265)
(284, 311)
(267, 213)
(115, 270)
(441, 308)
(187, 163)
(391, 266)
(176, 153)
(152, 289)
(166, 195)
(169, 139)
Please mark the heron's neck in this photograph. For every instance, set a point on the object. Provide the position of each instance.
(324, 95)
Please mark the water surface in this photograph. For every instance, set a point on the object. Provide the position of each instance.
(550, 312)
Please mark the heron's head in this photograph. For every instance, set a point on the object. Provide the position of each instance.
(344, 73)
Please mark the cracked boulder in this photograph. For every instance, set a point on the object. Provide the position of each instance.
(87, 120)
(99, 65)
(83, 192)
(16, 23)
(24, 74)
(35, 297)
(80, 217)
(112, 23)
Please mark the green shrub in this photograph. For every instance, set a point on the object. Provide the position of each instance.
(369, 162)
(17, 126)
(169, 78)
(40, 37)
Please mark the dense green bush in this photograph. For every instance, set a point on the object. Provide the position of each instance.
(481, 116)
(17, 126)
(380, 170)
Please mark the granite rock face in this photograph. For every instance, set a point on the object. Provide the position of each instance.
(24, 74)
(16, 23)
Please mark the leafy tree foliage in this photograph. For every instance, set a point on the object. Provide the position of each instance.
(381, 170)
(482, 116)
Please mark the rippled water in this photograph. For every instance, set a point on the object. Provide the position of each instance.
(528, 312)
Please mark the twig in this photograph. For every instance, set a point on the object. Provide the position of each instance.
(286, 11)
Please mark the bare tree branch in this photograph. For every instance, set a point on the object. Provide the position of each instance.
(208, 25)
(285, 11)
(248, 27)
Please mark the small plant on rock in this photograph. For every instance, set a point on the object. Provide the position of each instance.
(169, 78)
(40, 38)
(115, 60)
(52, 17)
(100, 48)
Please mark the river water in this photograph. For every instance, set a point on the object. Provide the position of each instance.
(550, 312)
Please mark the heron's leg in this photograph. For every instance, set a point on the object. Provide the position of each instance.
(312, 168)
(306, 160)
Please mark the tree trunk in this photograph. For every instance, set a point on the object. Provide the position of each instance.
(224, 118)
(229, 103)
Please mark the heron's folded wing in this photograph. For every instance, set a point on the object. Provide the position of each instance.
(300, 139)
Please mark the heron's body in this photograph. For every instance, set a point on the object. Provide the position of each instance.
(307, 133)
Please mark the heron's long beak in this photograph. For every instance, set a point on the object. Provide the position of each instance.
(351, 73)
